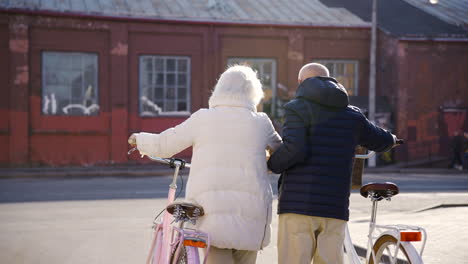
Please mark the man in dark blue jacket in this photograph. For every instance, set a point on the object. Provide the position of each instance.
(320, 133)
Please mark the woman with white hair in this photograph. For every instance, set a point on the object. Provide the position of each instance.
(228, 176)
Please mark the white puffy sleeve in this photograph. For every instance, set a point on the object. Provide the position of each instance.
(169, 142)
(273, 138)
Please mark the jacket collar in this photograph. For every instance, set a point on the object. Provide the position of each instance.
(231, 101)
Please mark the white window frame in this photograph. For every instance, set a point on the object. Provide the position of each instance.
(49, 101)
(356, 71)
(260, 61)
(165, 72)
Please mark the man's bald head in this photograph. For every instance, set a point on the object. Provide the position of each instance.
(312, 70)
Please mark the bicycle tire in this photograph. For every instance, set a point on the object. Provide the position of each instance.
(389, 242)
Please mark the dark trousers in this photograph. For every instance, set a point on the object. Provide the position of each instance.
(456, 159)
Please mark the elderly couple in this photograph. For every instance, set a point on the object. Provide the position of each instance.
(229, 173)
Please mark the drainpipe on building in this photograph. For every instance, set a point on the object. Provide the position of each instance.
(372, 160)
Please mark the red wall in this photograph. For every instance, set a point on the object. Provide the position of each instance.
(341, 45)
(4, 99)
(35, 139)
(421, 78)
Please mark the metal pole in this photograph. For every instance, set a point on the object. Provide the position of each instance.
(372, 160)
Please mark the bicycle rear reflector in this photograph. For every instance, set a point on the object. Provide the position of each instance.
(195, 243)
(410, 236)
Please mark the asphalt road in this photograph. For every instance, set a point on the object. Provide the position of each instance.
(104, 188)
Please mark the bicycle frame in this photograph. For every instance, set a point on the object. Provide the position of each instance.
(393, 230)
(164, 239)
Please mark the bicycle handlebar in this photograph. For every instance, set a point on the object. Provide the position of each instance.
(172, 162)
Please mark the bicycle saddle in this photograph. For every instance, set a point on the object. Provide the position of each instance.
(189, 209)
(379, 191)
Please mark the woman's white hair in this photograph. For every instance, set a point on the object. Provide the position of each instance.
(237, 86)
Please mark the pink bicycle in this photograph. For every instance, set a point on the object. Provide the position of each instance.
(171, 243)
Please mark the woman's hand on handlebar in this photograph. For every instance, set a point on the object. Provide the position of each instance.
(132, 140)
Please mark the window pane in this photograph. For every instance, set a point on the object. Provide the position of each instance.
(170, 65)
(159, 64)
(51, 78)
(168, 86)
(182, 106)
(266, 80)
(170, 106)
(349, 69)
(147, 64)
(182, 93)
(160, 79)
(267, 68)
(170, 93)
(75, 62)
(147, 79)
(158, 93)
(69, 83)
(170, 79)
(331, 68)
(182, 65)
(345, 72)
(339, 68)
(77, 89)
(181, 79)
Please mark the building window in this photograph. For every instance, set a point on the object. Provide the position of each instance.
(69, 83)
(164, 85)
(345, 72)
(266, 70)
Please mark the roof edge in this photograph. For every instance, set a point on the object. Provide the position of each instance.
(434, 39)
(81, 15)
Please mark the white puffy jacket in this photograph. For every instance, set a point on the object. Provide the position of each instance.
(229, 175)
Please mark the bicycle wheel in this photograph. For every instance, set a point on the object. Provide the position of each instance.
(385, 247)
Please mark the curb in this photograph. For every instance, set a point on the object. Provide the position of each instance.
(441, 205)
(366, 219)
(415, 171)
(151, 171)
(85, 172)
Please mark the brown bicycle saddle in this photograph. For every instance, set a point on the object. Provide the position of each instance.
(379, 191)
(189, 209)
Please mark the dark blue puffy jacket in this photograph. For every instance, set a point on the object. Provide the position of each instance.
(320, 133)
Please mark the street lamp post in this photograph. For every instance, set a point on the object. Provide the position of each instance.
(371, 112)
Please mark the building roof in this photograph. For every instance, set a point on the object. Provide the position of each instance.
(451, 11)
(276, 12)
(400, 18)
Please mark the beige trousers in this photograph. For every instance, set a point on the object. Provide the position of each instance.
(231, 256)
(303, 238)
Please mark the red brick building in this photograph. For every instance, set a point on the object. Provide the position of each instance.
(78, 77)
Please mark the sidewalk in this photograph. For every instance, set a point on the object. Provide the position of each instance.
(446, 229)
(119, 231)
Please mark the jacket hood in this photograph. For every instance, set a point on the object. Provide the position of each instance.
(324, 91)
